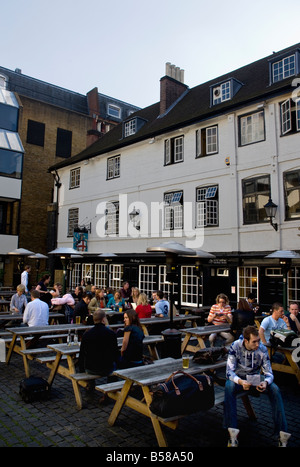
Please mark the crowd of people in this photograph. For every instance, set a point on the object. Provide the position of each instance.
(248, 365)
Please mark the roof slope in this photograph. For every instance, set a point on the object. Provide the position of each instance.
(193, 107)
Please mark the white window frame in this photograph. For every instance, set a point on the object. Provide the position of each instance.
(247, 280)
(112, 218)
(252, 128)
(147, 278)
(207, 208)
(211, 141)
(74, 178)
(73, 216)
(191, 287)
(298, 114)
(224, 92)
(115, 276)
(75, 276)
(130, 127)
(100, 275)
(174, 150)
(113, 167)
(87, 271)
(173, 210)
(285, 117)
(283, 68)
(114, 111)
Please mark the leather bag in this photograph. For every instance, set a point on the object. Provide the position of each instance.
(210, 355)
(182, 395)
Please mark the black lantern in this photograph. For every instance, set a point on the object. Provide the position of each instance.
(271, 209)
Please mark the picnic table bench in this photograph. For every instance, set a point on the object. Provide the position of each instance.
(200, 333)
(146, 377)
(290, 364)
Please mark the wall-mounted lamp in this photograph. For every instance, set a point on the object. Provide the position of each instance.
(271, 209)
(134, 214)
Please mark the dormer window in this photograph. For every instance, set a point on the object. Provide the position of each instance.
(114, 111)
(283, 68)
(221, 93)
(224, 91)
(132, 126)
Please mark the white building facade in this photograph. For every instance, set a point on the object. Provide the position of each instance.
(197, 169)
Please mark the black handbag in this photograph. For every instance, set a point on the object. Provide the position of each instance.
(210, 355)
(182, 395)
(34, 389)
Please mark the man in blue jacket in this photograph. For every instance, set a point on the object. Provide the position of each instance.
(247, 359)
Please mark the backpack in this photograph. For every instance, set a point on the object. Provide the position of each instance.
(282, 337)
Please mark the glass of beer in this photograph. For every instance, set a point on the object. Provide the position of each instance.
(185, 361)
(77, 319)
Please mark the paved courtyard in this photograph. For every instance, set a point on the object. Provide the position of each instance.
(58, 423)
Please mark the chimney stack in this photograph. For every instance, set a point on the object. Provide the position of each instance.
(171, 86)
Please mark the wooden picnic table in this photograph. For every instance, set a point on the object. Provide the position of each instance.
(153, 321)
(72, 351)
(145, 377)
(292, 358)
(7, 317)
(23, 332)
(200, 333)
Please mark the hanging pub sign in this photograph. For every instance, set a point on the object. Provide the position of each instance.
(80, 239)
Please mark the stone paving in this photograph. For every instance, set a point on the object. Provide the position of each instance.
(58, 423)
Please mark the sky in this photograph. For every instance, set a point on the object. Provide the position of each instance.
(121, 46)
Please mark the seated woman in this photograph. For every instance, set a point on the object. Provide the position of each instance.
(132, 346)
(242, 317)
(98, 301)
(116, 302)
(134, 297)
(143, 309)
(219, 314)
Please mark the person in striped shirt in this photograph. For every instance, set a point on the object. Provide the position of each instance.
(220, 313)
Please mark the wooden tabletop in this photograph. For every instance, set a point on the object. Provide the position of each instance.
(29, 330)
(152, 374)
(206, 330)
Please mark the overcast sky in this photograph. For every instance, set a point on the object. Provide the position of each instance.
(121, 46)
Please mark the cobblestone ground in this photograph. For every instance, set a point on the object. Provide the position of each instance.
(58, 423)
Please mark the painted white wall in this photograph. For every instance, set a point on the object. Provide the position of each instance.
(10, 187)
(145, 179)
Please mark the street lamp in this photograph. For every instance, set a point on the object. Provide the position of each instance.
(271, 209)
(285, 258)
(65, 255)
(172, 250)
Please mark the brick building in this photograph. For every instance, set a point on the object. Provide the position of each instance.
(53, 124)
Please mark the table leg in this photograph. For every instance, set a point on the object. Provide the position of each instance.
(11, 348)
(185, 342)
(120, 402)
(54, 368)
(153, 351)
(25, 359)
(75, 384)
(161, 439)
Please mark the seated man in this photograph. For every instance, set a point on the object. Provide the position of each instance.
(99, 348)
(162, 306)
(36, 312)
(247, 359)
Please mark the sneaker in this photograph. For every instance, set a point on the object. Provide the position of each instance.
(233, 442)
(283, 439)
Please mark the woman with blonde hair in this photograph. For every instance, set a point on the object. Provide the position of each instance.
(143, 309)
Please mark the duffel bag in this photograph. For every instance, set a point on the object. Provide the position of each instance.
(182, 395)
